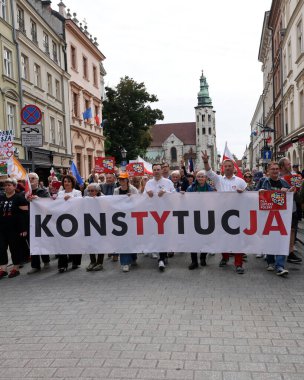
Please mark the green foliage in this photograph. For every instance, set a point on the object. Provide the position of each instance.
(127, 118)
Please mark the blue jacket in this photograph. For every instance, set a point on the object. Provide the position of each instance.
(266, 185)
(193, 188)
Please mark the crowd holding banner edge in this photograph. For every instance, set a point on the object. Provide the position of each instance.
(16, 198)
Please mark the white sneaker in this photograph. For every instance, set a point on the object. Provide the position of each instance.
(259, 256)
(125, 268)
(154, 256)
(161, 265)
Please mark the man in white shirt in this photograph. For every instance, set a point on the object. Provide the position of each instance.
(227, 182)
(159, 186)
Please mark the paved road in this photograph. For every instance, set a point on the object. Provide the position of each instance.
(205, 324)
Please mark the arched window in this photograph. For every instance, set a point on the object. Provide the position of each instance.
(173, 154)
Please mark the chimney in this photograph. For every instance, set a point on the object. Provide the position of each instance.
(46, 4)
(61, 7)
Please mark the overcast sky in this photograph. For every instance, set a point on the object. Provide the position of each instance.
(167, 43)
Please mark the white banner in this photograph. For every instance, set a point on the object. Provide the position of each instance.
(192, 222)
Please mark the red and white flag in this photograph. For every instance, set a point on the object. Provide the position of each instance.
(228, 156)
(28, 187)
(52, 172)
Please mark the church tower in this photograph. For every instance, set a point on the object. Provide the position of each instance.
(205, 126)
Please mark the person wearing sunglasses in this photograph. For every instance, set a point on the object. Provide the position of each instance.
(248, 178)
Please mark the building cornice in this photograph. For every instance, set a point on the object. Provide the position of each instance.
(74, 29)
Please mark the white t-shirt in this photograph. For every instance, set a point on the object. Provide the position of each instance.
(222, 183)
(74, 194)
(157, 186)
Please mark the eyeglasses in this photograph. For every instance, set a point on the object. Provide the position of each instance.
(32, 177)
(91, 191)
(248, 176)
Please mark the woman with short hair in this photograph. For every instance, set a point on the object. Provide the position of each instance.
(125, 188)
(68, 183)
(13, 227)
(200, 185)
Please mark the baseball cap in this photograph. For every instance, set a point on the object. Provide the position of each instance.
(123, 175)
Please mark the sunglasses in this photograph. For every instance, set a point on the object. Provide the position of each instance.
(248, 176)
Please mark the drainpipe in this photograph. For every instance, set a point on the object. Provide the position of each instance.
(21, 103)
(273, 93)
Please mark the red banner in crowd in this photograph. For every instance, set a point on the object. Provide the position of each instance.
(135, 169)
(272, 200)
(105, 165)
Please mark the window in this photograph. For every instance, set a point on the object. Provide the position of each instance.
(209, 117)
(8, 68)
(85, 67)
(11, 116)
(198, 131)
(299, 38)
(95, 80)
(289, 58)
(173, 154)
(55, 51)
(86, 104)
(50, 84)
(301, 101)
(204, 131)
(46, 43)
(37, 75)
(203, 118)
(197, 118)
(52, 130)
(78, 161)
(292, 126)
(73, 57)
(34, 32)
(75, 104)
(284, 65)
(60, 133)
(3, 9)
(90, 162)
(24, 67)
(57, 89)
(286, 121)
(20, 19)
(209, 131)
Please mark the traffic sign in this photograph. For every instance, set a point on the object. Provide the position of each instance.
(267, 154)
(31, 114)
(31, 135)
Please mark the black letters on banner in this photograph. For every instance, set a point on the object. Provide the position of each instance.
(42, 226)
(197, 223)
(119, 223)
(225, 219)
(74, 222)
(180, 220)
(100, 228)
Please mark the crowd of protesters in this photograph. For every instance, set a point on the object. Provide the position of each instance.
(15, 204)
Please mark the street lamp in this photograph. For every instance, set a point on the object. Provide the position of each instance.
(123, 155)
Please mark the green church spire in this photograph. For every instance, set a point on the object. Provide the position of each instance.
(203, 96)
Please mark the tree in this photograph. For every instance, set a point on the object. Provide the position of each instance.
(127, 118)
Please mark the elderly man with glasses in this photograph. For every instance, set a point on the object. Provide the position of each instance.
(37, 192)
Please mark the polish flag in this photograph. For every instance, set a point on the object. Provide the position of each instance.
(52, 172)
(28, 187)
(228, 156)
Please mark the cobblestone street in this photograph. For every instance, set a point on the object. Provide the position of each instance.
(205, 324)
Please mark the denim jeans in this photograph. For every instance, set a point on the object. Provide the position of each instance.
(278, 260)
(126, 258)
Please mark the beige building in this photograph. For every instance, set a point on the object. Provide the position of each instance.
(293, 80)
(84, 64)
(44, 81)
(10, 100)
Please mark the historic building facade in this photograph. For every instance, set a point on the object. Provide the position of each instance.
(176, 142)
(10, 99)
(84, 64)
(44, 81)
